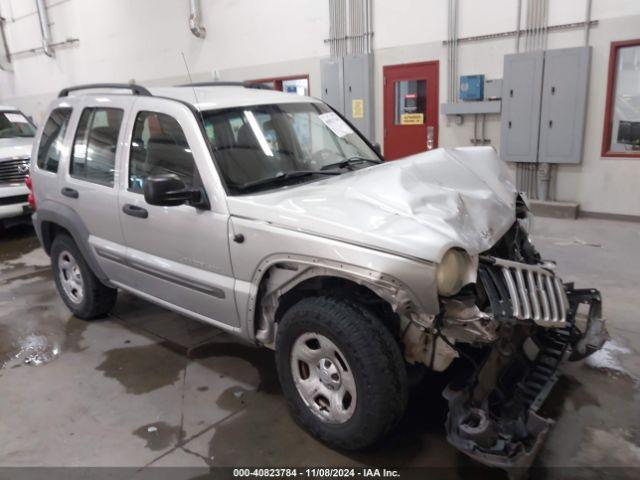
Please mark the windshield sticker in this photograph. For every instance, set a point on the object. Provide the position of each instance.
(336, 124)
(15, 118)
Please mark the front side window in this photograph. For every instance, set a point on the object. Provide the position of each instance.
(158, 147)
(15, 125)
(289, 142)
(94, 149)
(51, 141)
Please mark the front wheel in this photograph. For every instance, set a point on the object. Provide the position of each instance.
(341, 371)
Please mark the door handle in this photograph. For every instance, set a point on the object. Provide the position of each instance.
(70, 192)
(135, 211)
(430, 138)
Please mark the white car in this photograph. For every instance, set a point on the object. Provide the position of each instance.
(16, 138)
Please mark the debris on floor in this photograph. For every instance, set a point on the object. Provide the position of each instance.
(577, 241)
(607, 358)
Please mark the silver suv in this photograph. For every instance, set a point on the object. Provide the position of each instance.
(269, 216)
(16, 139)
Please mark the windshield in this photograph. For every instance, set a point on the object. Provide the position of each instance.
(266, 146)
(15, 124)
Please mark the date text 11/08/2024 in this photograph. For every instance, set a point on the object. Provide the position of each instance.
(316, 472)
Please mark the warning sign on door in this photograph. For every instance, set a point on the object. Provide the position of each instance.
(412, 119)
(357, 108)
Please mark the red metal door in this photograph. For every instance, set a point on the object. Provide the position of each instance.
(410, 109)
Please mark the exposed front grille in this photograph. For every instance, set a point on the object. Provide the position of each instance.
(13, 171)
(528, 292)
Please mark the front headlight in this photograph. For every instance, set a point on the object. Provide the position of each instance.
(452, 272)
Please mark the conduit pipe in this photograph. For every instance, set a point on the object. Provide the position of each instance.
(195, 19)
(45, 30)
(455, 50)
(518, 26)
(452, 50)
(587, 23)
(449, 48)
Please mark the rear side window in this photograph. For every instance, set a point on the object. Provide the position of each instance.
(94, 149)
(50, 147)
(159, 146)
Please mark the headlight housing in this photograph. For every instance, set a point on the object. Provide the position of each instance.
(453, 272)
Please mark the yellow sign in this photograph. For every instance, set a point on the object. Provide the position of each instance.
(412, 119)
(357, 108)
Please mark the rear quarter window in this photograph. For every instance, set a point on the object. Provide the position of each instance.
(50, 147)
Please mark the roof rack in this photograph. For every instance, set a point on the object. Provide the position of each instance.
(259, 86)
(135, 89)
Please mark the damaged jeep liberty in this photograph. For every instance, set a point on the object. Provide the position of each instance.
(269, 216)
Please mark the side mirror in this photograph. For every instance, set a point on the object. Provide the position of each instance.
(377, 148)
(169, 191)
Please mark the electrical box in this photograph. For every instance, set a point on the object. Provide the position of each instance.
(521, 89)
(358, 97)
(471, 87)
(564, 103)
(544, 99)
(332, 73)
(346, 86)
(493, 89)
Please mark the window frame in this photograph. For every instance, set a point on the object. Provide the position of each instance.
(123, 122)
(134, 119)
(608, 112)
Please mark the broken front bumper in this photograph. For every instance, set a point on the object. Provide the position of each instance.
(493, 411)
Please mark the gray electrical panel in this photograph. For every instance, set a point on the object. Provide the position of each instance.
(332, 74)
(564, 101)
(346, 86)
(521, 87)
(358, 107)
(544, 99)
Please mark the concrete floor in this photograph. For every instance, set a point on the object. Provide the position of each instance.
(146, 387)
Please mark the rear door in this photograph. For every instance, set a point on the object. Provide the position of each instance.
(89, 183)
(179, 256)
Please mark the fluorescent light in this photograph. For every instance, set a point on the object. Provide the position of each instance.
(258, 133)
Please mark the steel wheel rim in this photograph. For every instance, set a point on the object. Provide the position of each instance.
(323, 378)
(70, 277)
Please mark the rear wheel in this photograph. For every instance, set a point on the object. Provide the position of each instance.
(341, 371)
(80, 289)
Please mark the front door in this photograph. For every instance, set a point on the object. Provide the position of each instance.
(410, 109)
(178, 256)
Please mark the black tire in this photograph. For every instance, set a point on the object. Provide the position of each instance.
(373, 356)
(97, 299)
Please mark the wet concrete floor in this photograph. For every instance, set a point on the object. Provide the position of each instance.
(146, 387)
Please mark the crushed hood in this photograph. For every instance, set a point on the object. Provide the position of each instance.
(11, 148)
(419, 206)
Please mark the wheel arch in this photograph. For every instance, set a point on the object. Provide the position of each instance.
(52, 219)
(280, 282)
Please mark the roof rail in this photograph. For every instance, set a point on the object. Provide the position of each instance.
(135, 89)
(259, 86)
